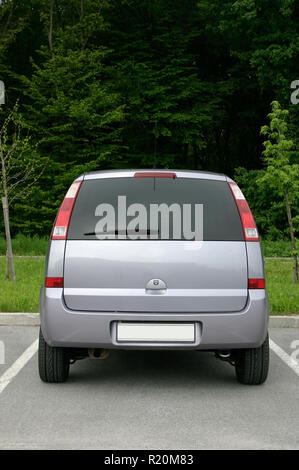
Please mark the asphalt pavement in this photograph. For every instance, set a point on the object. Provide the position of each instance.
(147, 400)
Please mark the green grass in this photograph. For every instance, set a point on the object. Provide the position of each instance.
(35, 246)
(23, 295)
(283, 292)
(22, 245)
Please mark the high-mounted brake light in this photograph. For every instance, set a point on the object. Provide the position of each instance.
(154, 174)
(62, 221)
(54, 282)
(249, 227)
(256, 283)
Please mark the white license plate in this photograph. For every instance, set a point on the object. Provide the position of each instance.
(156, 332)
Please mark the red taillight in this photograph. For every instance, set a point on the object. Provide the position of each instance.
(54, 282)
(256, 283)
(249, 227)
(154, 174)
(62, 221)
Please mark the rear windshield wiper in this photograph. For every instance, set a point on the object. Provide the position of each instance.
(123, 232)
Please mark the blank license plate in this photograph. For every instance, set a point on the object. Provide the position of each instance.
(159, 332)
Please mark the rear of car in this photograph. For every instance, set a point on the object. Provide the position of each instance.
(154, 260)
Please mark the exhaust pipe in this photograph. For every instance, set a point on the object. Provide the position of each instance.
(224, 356)
(96, 353)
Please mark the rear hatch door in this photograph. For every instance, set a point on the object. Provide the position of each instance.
(121, 268)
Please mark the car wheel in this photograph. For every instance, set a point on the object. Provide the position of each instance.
(252, 365)
(53, 363)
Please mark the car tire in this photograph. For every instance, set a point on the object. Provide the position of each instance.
(252, 365)
(53, 363)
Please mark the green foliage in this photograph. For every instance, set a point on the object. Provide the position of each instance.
(267, 207)
(276, 248)
(280, 174)
(75, 114)
(109, 84)
(21, 164)
(26, 246)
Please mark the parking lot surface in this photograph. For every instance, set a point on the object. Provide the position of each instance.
(148, 400)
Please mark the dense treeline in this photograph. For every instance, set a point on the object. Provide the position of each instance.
(127, 83)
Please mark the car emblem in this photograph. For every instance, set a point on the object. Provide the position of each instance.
(155, 284)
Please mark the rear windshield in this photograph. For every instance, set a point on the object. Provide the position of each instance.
(155, 208)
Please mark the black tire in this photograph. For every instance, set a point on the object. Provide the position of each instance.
(53, 363)
(252, 365)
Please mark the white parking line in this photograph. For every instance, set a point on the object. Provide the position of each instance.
(18, 365)
(288, 360)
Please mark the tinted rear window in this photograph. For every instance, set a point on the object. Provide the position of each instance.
(220, 219)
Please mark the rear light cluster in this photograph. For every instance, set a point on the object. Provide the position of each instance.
(62, 221)
(256, 283)
(249, 227)
(54, 282)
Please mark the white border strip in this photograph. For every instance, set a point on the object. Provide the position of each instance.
(288, 360)
(18, 365)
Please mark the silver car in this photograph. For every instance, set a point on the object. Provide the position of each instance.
(154, 259)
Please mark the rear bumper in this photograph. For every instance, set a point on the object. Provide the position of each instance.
(64, 327)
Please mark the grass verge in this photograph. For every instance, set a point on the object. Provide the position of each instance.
(23, 295)
(35, 246)
(26, 246)
(283, 292)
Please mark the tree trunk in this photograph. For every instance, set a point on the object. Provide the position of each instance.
(7, 266)
(8, 240)
(9, 255)
(293, 241)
